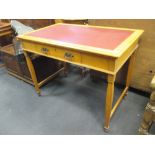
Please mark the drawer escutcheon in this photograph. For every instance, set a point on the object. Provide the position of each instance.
(68, 56)
(44, 50)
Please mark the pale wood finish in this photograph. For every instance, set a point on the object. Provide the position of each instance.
(109, 111)
(73, 21)
(106, 62)
(50, 77)
(109, 100)
(32, 72)
(130, 69)
(126, 45)
(118, 101)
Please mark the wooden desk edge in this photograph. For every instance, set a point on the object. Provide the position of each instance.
(100, 51)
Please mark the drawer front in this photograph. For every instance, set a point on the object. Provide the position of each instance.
(55, 52)
(28, 46)
(44, 49)
(67, 55)
(96, 62)
(38, 48)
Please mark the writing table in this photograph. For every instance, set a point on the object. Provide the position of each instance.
(104, 49)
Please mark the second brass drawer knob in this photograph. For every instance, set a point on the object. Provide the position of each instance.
(68, 56)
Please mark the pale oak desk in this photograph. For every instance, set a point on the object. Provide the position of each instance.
(104, 49)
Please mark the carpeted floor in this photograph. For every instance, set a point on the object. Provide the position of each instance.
(68, 105)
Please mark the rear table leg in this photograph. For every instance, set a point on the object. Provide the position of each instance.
(66, 68)
(130, 69)
(109, 111)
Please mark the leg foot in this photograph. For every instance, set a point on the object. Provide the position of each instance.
(39, 93)
(126, 94)
(106, 129)
(143, 132)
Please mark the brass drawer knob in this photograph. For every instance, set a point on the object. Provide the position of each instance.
(68, 56)
(44, 50)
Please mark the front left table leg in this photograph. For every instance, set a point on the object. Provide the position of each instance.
(32, 72)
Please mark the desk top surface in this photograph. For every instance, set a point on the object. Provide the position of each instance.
(83, 36)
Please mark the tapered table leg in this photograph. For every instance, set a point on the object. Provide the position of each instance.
(32, 72)
(130, 69)
(109, 100)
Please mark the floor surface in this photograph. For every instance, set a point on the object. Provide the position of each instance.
(68, 105)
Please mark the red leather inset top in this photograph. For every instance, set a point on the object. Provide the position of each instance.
(90, 36)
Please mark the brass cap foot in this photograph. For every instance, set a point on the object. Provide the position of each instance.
(106, 129)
